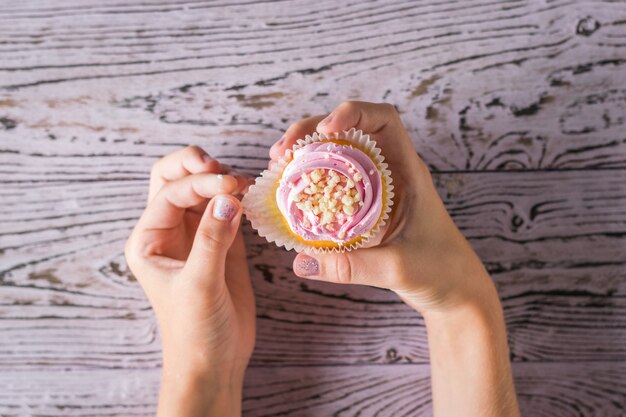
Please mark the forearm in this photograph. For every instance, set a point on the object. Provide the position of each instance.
(188, 395)
(470, 367)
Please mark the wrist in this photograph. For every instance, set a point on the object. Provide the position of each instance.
(191, 393)
(483, 310)
(470, 360)
(458, 281)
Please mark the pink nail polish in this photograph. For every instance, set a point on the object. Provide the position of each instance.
(224, 209)
(281, 141)
(307, 266)
(327, 120)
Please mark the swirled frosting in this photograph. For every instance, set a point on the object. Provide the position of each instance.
(331, 192)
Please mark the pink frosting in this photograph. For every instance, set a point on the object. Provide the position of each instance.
(345, 160)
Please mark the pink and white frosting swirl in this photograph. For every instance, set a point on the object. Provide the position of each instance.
(350, 173)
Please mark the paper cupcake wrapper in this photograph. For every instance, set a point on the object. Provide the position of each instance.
(261, 208)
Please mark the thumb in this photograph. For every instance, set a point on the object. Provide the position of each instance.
(214, 236)
(364, 266)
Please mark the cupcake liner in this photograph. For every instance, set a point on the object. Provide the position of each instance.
(261, 208)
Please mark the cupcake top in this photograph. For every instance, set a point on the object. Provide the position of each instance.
(330, 191)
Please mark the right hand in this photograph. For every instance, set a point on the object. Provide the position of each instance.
(422, 256)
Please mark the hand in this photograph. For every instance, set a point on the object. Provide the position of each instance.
(188, 254)
(422, 256)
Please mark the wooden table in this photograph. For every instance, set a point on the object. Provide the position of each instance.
(519, 108)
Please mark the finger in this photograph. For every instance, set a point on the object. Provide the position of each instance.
(382, 122)
(296, 131)
(244, 180)
(167, 208)
(217, 229)
(179, 164)
(149, 274)
(368, 117)
(225, 168)
(243, 183)
(237, 273)
(363, 266)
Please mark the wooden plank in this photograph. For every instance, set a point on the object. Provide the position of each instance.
(554, 242)
(91, 93)
(481, 85)
(545, 390)
(508, 218)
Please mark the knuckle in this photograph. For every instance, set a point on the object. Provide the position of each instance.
(131, 253)
(128, 254)
(399, 271)
(209, 243)
(296, 126)
(390, 108)
(349, 105)
(343, 268)
(193, 150)
(156, 167)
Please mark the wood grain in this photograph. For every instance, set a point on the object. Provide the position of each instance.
(482, 85)
(554, 242)
(518, 106)
(544, 390)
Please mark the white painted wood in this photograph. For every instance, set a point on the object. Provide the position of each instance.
(554, 242)
(388, 390)
(92, 93)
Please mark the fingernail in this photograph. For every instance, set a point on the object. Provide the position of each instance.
(223, 208)
(307, 266)
(327, 120)
(207, 158)
(281, 141)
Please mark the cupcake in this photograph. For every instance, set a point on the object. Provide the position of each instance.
(327, 194)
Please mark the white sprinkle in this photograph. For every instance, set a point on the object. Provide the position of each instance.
(220, 176)
(371, 172)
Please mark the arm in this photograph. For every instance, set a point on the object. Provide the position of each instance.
(469, 355)
(193, 394)
(470, 370)
(187, 253)
(424, 259)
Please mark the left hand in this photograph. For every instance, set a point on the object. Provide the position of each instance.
(188, 254)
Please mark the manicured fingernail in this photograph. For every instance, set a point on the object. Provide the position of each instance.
(207, 158)
(307, 266)
(327, 120)
(224, 209)
(281, 141)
